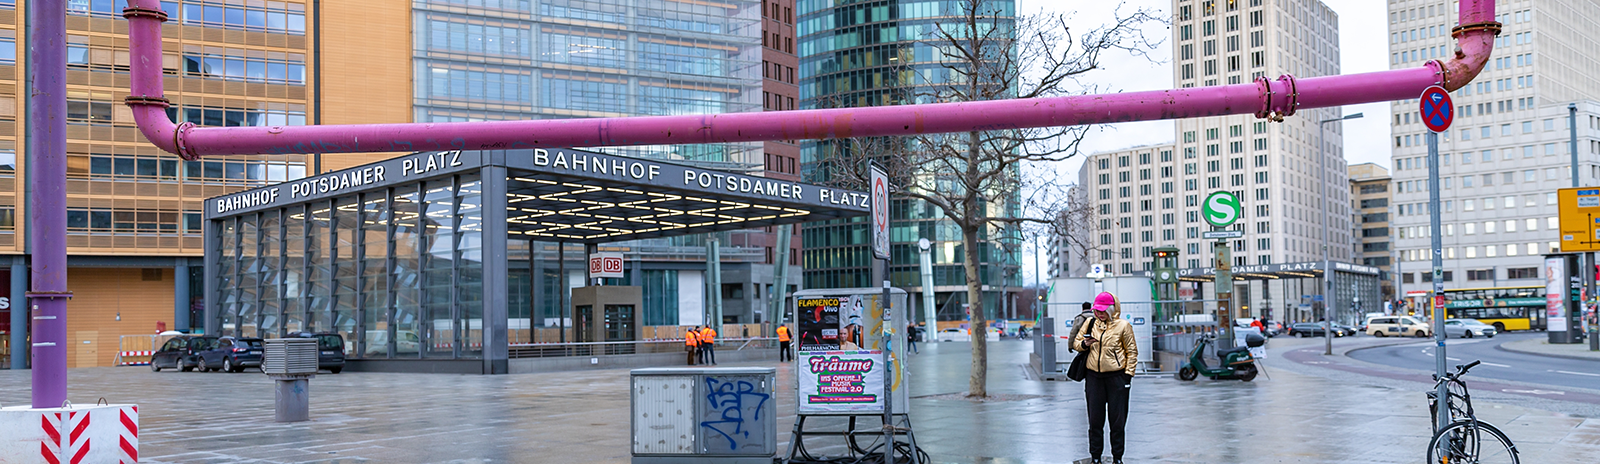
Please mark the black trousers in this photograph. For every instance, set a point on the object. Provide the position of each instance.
(708, 354)
(1106, 392)
(783, 352)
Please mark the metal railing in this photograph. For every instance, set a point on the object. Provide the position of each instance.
(555, 350)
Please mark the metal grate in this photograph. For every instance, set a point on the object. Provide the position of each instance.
(290, 356)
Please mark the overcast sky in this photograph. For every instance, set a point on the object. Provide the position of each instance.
(1362, 33)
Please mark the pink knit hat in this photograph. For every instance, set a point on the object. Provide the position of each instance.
(1104, 301)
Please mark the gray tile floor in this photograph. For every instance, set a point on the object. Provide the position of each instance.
(581, 417)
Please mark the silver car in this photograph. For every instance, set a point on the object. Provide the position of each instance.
(1467, 328)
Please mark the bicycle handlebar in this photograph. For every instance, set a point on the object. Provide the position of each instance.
(1461, 369)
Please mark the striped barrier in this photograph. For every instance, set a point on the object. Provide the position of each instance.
(124, 355)
(70, 435)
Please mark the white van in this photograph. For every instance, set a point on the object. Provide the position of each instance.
(1397, 326)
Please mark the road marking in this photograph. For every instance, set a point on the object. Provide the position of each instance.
(1576, 373)
(1452, 359)
(1533, 392)
(1495, 365)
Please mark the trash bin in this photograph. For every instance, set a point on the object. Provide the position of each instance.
(291, 363)
(711, 415)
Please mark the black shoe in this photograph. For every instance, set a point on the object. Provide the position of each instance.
(1116, 460)
(1094, 460)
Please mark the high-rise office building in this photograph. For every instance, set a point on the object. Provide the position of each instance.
(857, 53)
(133, 218)
(1507, 152)
(1149, 197)
(1369, 203)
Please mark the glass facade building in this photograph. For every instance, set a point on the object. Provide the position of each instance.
(873, 53)
(411, 263)
(482, 60)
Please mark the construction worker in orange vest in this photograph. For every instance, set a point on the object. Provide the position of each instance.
(783, 344)
(708, 340)
(691, 343)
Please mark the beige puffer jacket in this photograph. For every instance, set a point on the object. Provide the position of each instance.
(1116, 349)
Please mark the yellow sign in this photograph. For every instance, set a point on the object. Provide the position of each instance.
(1580, 218)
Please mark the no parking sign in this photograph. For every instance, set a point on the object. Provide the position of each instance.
(1437, 110)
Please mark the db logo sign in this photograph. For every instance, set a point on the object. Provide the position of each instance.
(605, 265)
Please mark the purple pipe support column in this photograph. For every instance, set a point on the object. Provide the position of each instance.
(1264, 98)
(47, 176)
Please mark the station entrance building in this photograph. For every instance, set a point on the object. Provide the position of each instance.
(412, 259)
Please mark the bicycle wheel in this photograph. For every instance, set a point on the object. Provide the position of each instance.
(1471, 442)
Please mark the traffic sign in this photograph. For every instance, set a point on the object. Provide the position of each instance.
(1438, 301)
(1579, 210)
(880, 213)
(1221, 208)
(1437, 111)
(1222, 234)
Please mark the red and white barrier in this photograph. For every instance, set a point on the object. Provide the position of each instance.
(71, 435)
(124, 355)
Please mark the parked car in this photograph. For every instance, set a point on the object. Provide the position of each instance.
(232, 355)
(1341, 330)
(181, 353)
(1397, 326)
(1317, 329)
(330, 350)
(1467, 328)
(954, 335)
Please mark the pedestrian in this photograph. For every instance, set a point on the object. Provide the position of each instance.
(1077, 324)
(708, 345)
(691, 343)
(783, 344)
(913, 336)
(1113, 356)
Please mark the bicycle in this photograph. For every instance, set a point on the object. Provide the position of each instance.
(1466, 440)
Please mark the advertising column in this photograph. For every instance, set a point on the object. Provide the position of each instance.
(1555, 296)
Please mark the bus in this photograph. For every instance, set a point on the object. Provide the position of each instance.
(1505, 308)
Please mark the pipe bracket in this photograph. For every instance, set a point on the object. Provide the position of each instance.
(1265, 112)
(183, 150)
(134, 100)
(1491, 26)
(49, 294)
(1292, 94)
(134, 12)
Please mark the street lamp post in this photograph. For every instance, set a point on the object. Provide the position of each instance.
(1327, 230)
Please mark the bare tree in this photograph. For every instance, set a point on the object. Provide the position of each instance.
(975, 179)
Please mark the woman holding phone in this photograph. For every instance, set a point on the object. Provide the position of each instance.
(1113, 356)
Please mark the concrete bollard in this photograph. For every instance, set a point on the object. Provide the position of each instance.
(291, 398)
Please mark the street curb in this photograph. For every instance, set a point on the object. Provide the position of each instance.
(1346, 353)
(1502, 347)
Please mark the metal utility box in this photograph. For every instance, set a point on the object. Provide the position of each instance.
(289, 356)
(722, 415)
(291, 363)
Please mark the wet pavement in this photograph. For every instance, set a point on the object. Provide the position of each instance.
(1295, 412)
(1541, 346)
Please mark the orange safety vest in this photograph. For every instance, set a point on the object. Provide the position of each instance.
(783, 333)
(707, 335)
(691, 339)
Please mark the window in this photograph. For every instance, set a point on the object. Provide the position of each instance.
(1522, 273)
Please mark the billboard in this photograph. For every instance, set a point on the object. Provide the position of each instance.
(1555, 292)
(841, 382)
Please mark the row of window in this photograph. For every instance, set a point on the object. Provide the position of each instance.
(1483, 180)
(97, 220)
(280, 17)
(1487, 251)
(1472, 275)
(241, 68)
(128, 167)
(1471, 228)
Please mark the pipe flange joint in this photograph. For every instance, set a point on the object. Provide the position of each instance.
(135, 100)
(49, 294)
(1443, 72)
(1491, 26)
(1291, 94)
(137, 12)
(1265, 112)
(178, 137)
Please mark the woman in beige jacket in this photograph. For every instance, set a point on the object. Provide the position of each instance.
(1113, 355)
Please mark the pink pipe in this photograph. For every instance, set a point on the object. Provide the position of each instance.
(1264, 98)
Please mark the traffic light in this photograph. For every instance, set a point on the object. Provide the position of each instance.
(1171, 253)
